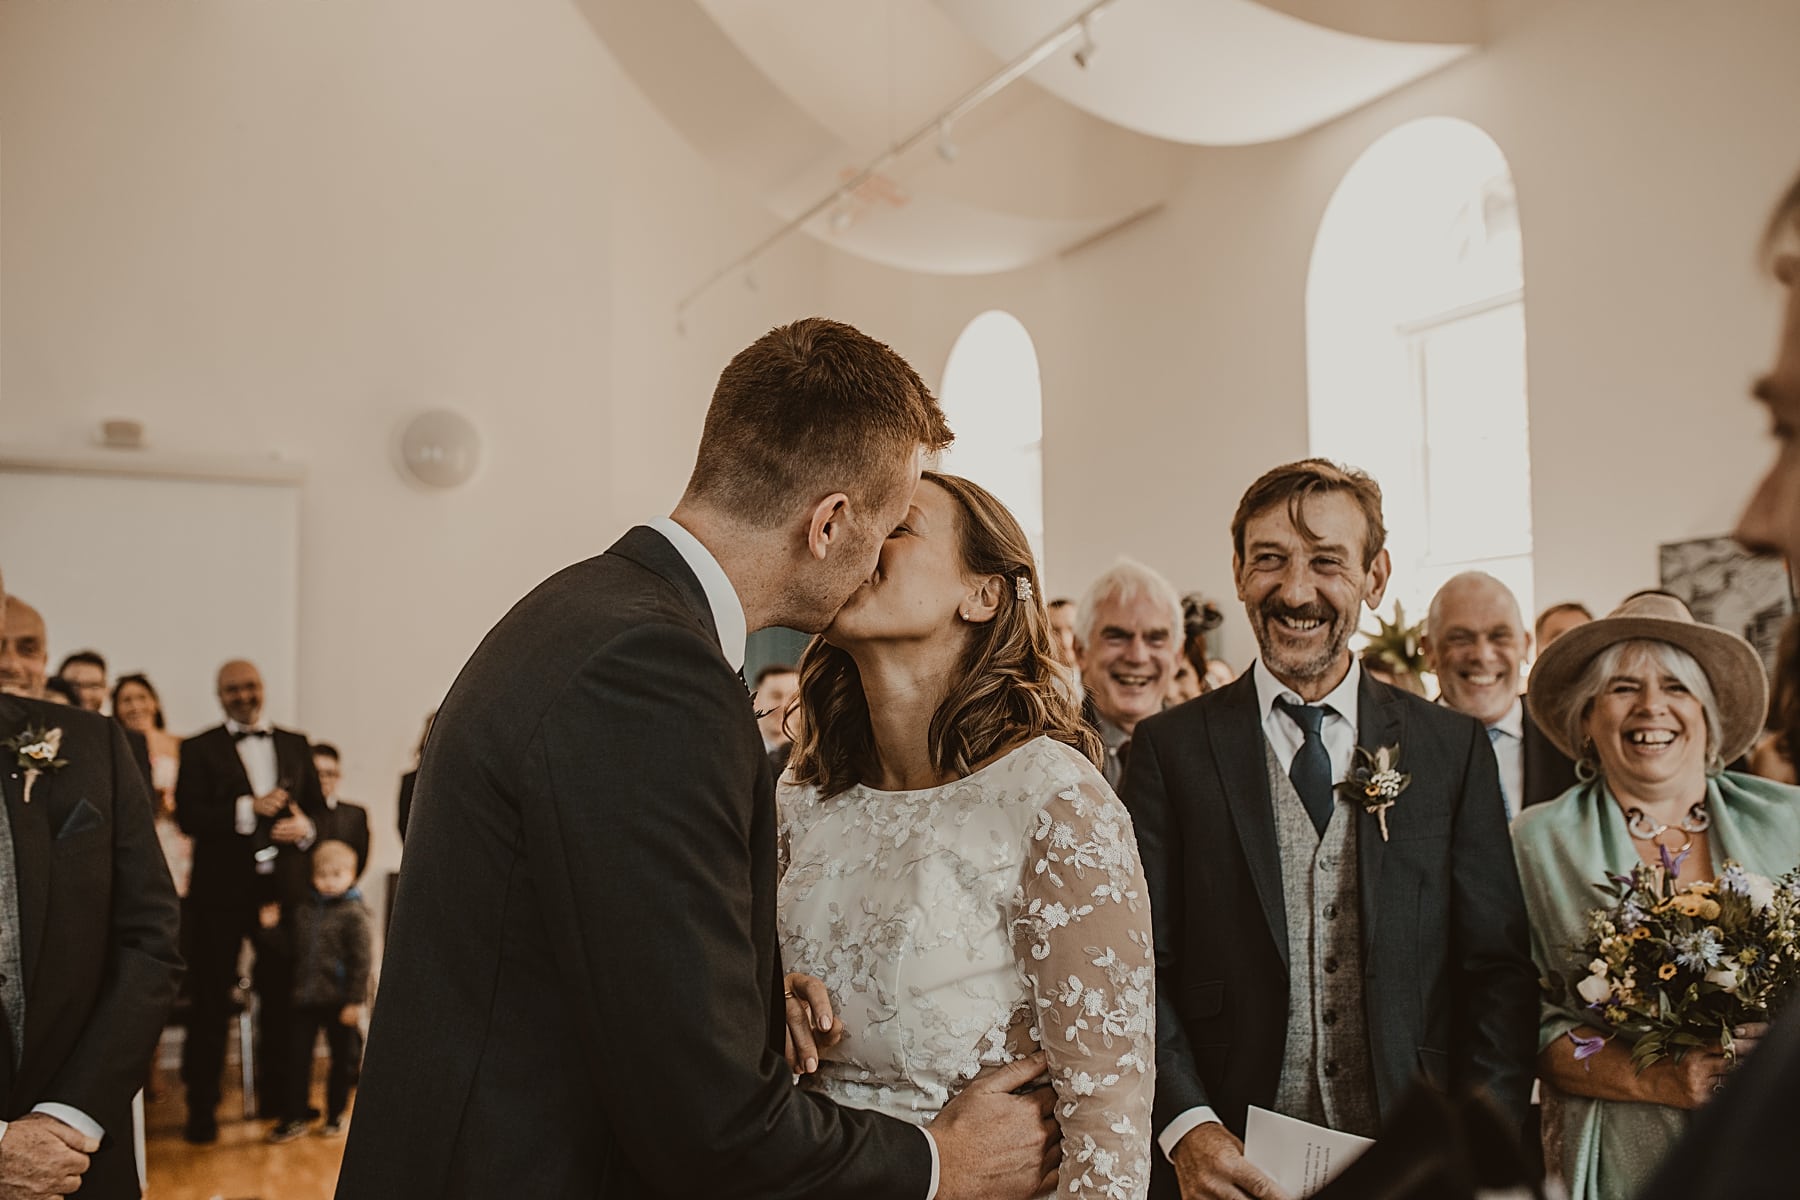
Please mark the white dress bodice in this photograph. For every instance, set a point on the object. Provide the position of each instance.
(962, 926)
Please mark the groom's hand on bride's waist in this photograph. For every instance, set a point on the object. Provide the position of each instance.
(996, 1143)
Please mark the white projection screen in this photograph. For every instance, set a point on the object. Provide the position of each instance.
(165, 576)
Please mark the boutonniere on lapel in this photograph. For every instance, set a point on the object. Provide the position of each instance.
(1376, 782)
(34, 752)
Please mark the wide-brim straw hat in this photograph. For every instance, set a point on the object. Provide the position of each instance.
(1732, 666)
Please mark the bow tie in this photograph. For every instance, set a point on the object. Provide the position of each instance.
(239, 735)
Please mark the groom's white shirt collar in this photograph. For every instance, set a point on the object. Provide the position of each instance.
(721, 597)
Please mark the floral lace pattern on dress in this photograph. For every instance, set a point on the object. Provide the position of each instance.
(962, 926)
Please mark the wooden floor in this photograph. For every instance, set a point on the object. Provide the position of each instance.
(241, 1165)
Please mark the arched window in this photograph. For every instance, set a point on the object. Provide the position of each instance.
(992, 396)
(1415, 336)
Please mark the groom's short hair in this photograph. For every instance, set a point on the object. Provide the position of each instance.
(808, 409)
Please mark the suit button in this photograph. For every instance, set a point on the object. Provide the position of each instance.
(1330, 1018)
(1331, 1070)
(1331, 966)
(1331, 912)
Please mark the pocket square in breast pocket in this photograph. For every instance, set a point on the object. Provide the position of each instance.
(81, 818)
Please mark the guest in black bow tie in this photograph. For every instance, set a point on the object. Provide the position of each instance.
(342, 821)
(1319, 947)
(247, 793)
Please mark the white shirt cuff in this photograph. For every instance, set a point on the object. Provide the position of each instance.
(245, 822)
(1183, 1125)
(74, 1118)
(931, 1192)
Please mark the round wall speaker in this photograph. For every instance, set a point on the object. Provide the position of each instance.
(440, 449)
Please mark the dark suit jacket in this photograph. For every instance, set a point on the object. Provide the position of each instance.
(582, 989)
(98, 930)
(348, 823)
(1548, 771)
(206, 793)
(1450, 992)
(408, 782)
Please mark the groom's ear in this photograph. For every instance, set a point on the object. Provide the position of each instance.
(826, 524)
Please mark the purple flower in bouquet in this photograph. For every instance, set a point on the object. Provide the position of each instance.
(1631, 915)
(1586, 1047)
(1734, 881)
(1671, 864)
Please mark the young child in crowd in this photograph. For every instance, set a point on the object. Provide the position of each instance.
(331, 983)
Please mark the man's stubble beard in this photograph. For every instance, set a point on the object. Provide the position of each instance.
(1343, 629)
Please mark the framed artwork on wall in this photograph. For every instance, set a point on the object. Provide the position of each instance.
(1725, 585)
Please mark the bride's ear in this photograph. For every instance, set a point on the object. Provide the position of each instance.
(983, 603)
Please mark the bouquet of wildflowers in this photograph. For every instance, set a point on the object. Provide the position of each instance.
(1675, 967)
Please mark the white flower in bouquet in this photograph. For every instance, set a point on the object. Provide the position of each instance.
(1596, 988)
(1725, 978)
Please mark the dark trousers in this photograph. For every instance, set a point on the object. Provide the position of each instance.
(345, 1044)
(213, 936)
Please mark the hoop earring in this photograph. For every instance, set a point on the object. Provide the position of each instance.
(1587, 765)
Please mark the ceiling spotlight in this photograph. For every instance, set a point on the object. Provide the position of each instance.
(1084, 53)
(947, 149)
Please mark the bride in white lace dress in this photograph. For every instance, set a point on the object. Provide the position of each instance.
(955, 869)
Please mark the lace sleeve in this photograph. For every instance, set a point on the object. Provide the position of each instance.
(1082, 937)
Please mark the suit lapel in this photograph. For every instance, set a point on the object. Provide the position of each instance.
(31, 845)
(654, 552)
(227, 751)
(1379, 723)
(1237, 746)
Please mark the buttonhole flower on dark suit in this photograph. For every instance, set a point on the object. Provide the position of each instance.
(1376, 782)
(35, 753)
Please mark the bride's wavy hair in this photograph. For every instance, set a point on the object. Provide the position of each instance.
(1007, 690)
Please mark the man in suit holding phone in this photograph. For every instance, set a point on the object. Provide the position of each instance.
(249, 797)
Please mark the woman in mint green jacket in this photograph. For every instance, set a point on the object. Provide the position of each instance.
(1650, 703)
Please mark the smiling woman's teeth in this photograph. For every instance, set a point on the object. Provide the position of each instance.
(1134, 680)
(1650, 737)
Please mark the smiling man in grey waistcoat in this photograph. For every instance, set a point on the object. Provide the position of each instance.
(1319, 946)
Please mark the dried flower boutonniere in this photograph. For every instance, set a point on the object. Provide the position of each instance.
(1376, 782)
(34, 752)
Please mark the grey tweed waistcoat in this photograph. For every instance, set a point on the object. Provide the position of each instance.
(1327, 1074)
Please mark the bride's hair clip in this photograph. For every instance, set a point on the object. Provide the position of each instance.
(1022, 586)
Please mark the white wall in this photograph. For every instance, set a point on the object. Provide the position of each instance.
(1648, 139)
(287, 227)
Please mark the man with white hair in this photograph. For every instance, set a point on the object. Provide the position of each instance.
(1477, 643)
(1127, 635)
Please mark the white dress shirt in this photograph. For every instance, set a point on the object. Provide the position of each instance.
(1508, 737)
(721, 596)
(258, 756)
(728, 618)
(1285, 738)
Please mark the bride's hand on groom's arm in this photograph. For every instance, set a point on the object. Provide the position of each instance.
(811, 1025)
(996, 1145)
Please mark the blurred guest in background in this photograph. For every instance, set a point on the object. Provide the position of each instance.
(410, 780)
(1652, 704)
(60, 691)
(1475, 641)
(776, 686)
(1128, 637)
(24, 650)
(1062, 631)
(1198, 618)
(248, 795)
(342, 821)
(137, 707)
(85, 671)
(1557, 620)
(1773, 757)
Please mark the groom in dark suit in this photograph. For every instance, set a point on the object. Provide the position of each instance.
(583, 994)
(88, 966)
(1316, 954)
